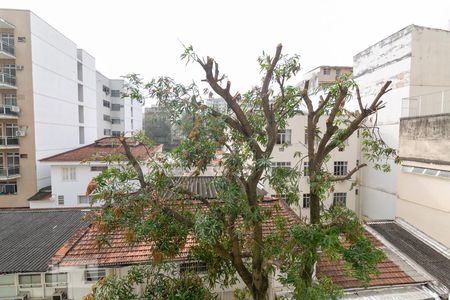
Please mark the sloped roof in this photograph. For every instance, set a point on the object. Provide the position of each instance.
(29, 238)
(84, 250)
(102, 147)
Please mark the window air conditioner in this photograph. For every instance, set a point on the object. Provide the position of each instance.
(59, 295)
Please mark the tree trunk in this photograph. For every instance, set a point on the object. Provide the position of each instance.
(261, 293)
(314, 210)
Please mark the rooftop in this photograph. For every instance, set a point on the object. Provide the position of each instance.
(29, 238)
(431, 260)
(102, 147)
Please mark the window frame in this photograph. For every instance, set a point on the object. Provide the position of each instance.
(340, 198)
(97, 272)
(306, 200)
(340, 168)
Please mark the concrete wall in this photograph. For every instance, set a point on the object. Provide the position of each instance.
(426, 138)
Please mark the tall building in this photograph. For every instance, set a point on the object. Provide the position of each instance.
(116, 114)
(417, 61)
(48, 102)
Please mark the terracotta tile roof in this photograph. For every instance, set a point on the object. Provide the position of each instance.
(84, 250)
(390, 274)
(104, 146)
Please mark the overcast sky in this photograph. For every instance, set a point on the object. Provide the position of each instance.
(144, 36)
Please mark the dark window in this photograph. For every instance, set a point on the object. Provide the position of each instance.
(115, 93)
(107, 131)
(94, 275)
(106, 103)
(107, 118)
(106, 90)
(306, 200)
(98, 168)
(284, 136)
(339, 199)
(115, 121)
(340, 168)
(115, 107)
(193, 267)
(116, 133)
(305, 168)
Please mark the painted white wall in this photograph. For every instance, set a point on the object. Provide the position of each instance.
(102, 80)
(55, 93)
(297, 125)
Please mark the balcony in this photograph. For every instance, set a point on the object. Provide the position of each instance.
(8, 142)
(7, 81)
(427, 104)
(9, 112)
(7, 173)
(7, 51)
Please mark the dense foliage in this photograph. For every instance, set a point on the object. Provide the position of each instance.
(154, 206)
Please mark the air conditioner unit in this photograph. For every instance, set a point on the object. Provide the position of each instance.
(59, 295)
(21, 133)
(22, 296)
(19, 67)
(15, 109)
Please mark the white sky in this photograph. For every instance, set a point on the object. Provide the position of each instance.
(143, 36)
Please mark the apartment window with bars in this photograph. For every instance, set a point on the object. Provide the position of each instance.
(106, 103)
(107, 131)
(306, 168)
(94, 275)
(306, 200)
(115, 121)
(340, 168)
(339, 199)
(107, 118)
(115, 93)
(284, 136)
(281, 164)
(116, 133)
(60, 199)
(193, 267)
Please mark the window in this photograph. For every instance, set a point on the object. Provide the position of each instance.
(281, 164)
(116, 133)
(94, 275)
(326, 71)
(107, 131)
(115, 107)
(10, 100)
(81, 134)
(115, 121)
(13, 160)
(106, 118)
(131, 108)
(132, 124)
(306, 168)
(284, 136)
(115, 93)
(8, 188)
(340, 168)
(80, 93)
(106, 103)
(69, 174)
(80, 71)
(338, 73)
(306, 200)
(106, 90)
(306, 138)
(339, 198)
(60, 199)
(21, 39)
(30, 280)
(98, 168)
(82, 199)
(80, 114)
(193, 267)
(7, 285)
(55, 279)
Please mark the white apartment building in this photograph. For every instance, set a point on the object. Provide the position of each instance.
(116, 114)
(417, 61)
(294, 139)
(48, 102)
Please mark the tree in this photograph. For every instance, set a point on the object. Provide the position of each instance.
(229, 232)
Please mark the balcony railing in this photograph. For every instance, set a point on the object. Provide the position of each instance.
(9, 110)
(7, 48)
(7, 79)
(428, 104)
(9, 171)
(9, 141)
